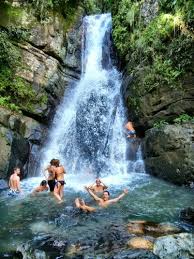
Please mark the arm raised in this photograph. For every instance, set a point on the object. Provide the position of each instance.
(119, 197)
(95, 197)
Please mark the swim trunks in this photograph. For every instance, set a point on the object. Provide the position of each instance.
(13, 192)
(61, 182)
(51, 184)
(131, 132)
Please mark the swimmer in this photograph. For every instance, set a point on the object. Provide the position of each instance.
(42, 187)
(51, 175)
(80, 204)
(60, 181)
(14, 182)
(98, 186)
(105, 201)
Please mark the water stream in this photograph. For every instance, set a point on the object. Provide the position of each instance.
(87, 136)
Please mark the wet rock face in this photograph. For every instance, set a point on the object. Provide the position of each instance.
(51, 56)
(175, 246)
(160, 104)
(50, 52)
(149, 10)
(19, 134)
(169, 153)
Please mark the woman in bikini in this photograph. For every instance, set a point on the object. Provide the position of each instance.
(60, 181)
(51, 175)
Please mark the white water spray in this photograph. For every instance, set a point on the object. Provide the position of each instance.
(87, 133)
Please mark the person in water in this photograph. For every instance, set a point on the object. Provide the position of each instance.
(42, 187)
(98, 186)
(80, 204)
(60, 181)
(130, 130)
(14, 182)
(105, 201)
(51, 175)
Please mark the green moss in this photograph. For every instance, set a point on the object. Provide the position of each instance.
(16, 17)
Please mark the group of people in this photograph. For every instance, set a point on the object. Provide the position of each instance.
(55, 182)
(54, 179)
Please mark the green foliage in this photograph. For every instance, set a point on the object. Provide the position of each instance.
(15, 93)
(91, 6)
(124, 22)
(160, 124)
(183, 118)
(186, 7)
(43, 7)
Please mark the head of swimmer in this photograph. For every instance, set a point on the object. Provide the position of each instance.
(55, 162)
(106, 195)
(98, 182)
(16, 170)
(43, 183)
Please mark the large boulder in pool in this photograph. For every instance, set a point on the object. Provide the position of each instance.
(175, 246)
(169, 153)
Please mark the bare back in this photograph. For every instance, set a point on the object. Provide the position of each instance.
(59, 173)
(14, 182)
(51, 172)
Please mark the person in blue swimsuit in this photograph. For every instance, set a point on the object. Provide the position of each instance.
(130, 130)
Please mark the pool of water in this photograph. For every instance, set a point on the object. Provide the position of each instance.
(27, 217)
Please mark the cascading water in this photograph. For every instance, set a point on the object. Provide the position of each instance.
(87, 133)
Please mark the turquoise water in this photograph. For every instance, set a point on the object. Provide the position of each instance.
(25, 217)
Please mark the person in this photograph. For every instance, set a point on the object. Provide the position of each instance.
(14, 182)
(98, 186)
(130, 130)
(60, 181)
(42, 187)
(80, 204)
(51, 175)
(105, 201)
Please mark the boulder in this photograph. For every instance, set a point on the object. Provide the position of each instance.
(169, 153)
(18, 136)
(140, 243)
(175, 246)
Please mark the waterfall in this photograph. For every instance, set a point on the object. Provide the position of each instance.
(87, 134)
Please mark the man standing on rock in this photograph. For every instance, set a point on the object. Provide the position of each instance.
(14, 182)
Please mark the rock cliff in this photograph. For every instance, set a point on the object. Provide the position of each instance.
(50, 62)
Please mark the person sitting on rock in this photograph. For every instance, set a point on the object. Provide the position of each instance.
(80, 204)
(98, 187)
(130, 130)
(105, 201)
(42, 187)
(14, 182)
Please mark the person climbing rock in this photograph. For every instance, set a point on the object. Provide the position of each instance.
(130, 130)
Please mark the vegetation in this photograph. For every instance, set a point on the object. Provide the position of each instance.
(158, 52)
(42, 8)
(184, 118)
(15, 93)
(160, 124)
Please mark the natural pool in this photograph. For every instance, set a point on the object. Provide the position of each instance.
(26, 218)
